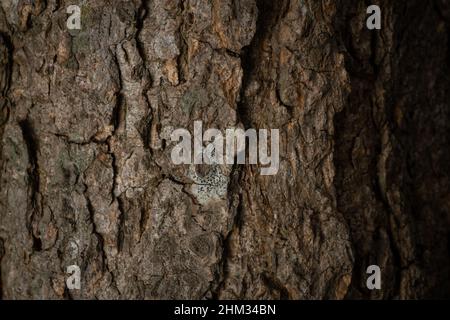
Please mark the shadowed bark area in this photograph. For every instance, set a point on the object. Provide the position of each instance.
(86, 176)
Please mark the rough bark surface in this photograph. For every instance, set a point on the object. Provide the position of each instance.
(86, 176)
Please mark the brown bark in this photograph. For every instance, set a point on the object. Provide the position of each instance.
(86, 176)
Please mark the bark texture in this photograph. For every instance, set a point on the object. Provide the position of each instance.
(86, 176)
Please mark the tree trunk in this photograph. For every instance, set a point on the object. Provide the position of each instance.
(86, 176)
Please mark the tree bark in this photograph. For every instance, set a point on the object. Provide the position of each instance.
(86, 176)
